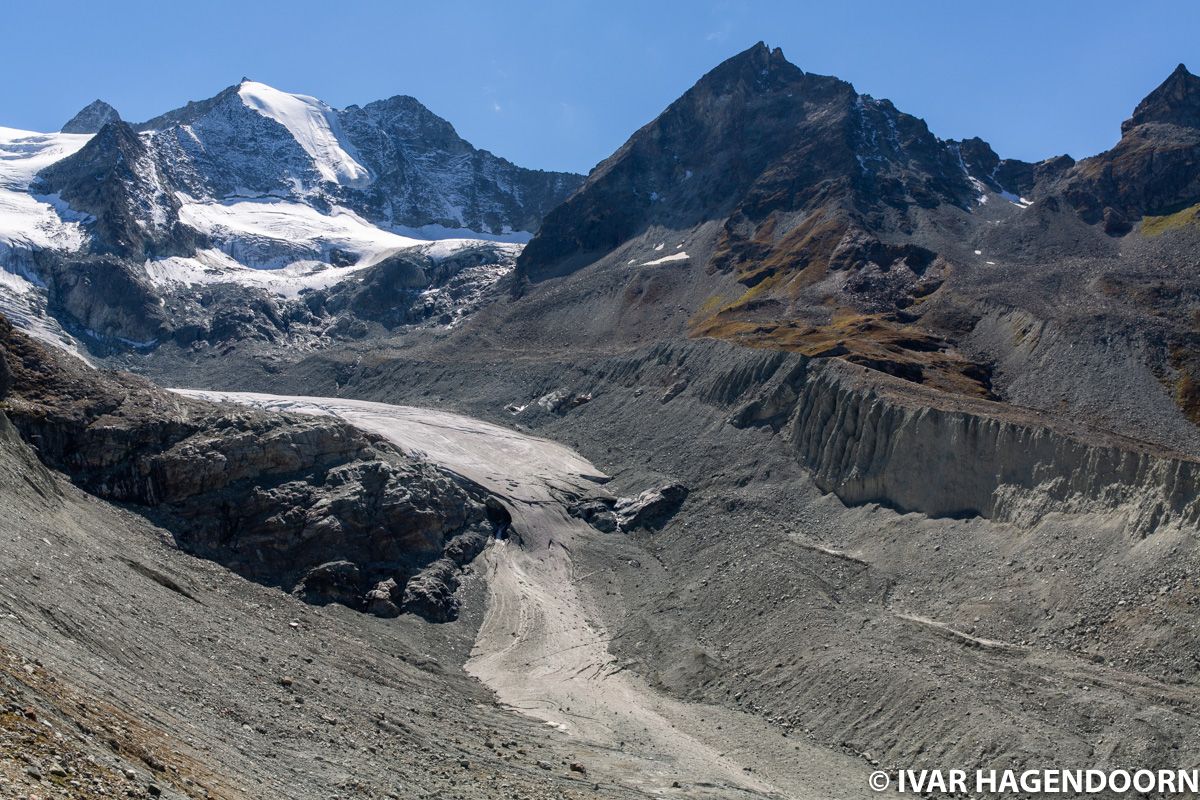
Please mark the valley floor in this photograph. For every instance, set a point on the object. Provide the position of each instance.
(544, 651)
(768, 641)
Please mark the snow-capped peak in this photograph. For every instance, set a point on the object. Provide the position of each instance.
(315, 127)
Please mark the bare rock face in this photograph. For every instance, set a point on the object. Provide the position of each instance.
(101, 294)
(755, 140)
(309, 504)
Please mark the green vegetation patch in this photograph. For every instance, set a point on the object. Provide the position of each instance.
(1156, 226)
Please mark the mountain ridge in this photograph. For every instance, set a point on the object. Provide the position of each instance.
(422, 171)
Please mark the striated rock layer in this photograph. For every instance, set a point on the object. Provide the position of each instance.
(869, 442)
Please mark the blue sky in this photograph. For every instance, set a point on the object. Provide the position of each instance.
(560, 85)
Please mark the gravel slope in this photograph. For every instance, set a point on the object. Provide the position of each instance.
(541, 647)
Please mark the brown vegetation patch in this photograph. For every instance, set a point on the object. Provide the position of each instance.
(878, 341)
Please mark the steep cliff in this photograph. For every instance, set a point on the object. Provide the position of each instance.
(869, 440)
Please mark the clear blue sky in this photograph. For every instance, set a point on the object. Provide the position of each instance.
(560, 85)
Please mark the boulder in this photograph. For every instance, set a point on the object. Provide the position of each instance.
(430, 593)
(382, 601)
(650, 509)
(598, 513)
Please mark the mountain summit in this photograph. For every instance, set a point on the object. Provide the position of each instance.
(822, 220)
(393, 161)
(757, 137)
(1153, 170)
(263, 194)
(1176, 101)
(91, 118)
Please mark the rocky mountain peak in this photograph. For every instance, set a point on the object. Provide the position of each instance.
(1176, 101)
(394, 162)
(759, 142)
(758, 67)
(115, 179)
(1153, 170)
(91, 118)
(192, 110)
(406, 116)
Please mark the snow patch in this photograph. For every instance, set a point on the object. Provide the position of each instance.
(432, 231)
(1015, 200)
(666, 259)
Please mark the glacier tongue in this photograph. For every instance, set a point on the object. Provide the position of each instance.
(315, 127)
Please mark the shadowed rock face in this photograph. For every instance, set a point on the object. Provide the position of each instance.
(275, 497)
(1175, 102)
(753, 138)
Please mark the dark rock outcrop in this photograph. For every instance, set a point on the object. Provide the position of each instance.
(309, 504)
(755, 140)
(1176, 101)
(596, 512)
(102, 297)
(431, 593)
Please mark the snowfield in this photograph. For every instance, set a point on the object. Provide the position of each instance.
(315, 127)
(28, 221)
(286, 247)
(271, 234)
